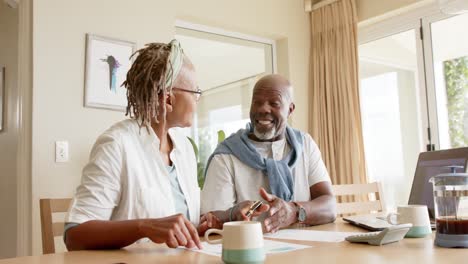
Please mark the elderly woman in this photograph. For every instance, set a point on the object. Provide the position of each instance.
(141, 180)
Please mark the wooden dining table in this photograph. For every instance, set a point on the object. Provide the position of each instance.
(408, 250)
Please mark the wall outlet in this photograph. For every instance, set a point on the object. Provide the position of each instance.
(61, 151)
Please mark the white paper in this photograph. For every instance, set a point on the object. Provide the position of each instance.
(310, 235)
(271, 247)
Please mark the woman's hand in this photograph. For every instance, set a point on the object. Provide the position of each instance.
(173, 230)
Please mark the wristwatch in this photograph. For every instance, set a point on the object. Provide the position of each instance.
(301, 213)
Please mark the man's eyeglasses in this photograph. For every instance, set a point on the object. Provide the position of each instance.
(198, 92)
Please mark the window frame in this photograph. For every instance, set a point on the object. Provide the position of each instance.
(430, 76)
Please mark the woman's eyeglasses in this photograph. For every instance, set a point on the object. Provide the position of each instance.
(198, 92)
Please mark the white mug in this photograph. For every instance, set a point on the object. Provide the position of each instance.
(414, 214)
(242, 242)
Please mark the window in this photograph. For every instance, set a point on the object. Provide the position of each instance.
(413, 93)
(390, 112)
(228, 65)
(449, 44)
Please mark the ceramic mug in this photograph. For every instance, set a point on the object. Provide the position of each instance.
(242, 242)
(414, 214)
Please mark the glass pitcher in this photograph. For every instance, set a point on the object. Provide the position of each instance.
(451, 209)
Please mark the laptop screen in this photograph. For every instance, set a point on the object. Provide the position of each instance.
(431, 164)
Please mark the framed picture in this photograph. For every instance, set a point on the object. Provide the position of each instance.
(107, 63)
(2, 95)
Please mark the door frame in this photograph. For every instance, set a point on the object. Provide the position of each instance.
(24, 148)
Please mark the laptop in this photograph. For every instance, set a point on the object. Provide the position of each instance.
(429, 164)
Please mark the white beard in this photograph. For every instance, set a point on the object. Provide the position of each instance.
(265, 136)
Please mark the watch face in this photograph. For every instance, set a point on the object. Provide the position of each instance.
(302, 215)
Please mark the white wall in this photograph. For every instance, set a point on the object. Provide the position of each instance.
(9, 136)
(59, 45)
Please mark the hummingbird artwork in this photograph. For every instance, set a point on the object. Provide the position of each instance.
(113, 64)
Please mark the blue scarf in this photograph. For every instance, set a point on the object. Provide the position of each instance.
(279, 172)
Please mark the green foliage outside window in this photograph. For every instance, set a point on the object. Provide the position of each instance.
(456, 83)
(201, 159)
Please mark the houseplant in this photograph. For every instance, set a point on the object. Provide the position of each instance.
(201, 164)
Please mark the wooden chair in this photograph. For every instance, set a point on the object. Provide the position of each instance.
(359, 190)
(49, 228)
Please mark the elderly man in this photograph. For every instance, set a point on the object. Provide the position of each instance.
(268, 161)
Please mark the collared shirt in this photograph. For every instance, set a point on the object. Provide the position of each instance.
(126, 177)
(229, 181)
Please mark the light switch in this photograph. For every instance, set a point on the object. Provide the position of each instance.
(61, 151)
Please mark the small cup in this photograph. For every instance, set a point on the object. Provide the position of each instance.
(414, 214)
(242, 242)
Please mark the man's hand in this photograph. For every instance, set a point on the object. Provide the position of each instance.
(281, 213)
(211, 220)
(240, 210)
(173, 230)
(216, 219)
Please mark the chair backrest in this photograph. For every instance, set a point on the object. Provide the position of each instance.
(51, 229)
(359, 190)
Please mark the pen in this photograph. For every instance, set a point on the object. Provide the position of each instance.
(253, 207)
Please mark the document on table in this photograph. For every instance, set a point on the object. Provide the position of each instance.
(270, 246)
(310, 235)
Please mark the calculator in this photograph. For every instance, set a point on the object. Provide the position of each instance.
(390, 234)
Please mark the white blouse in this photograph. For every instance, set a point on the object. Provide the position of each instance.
(126, 177)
